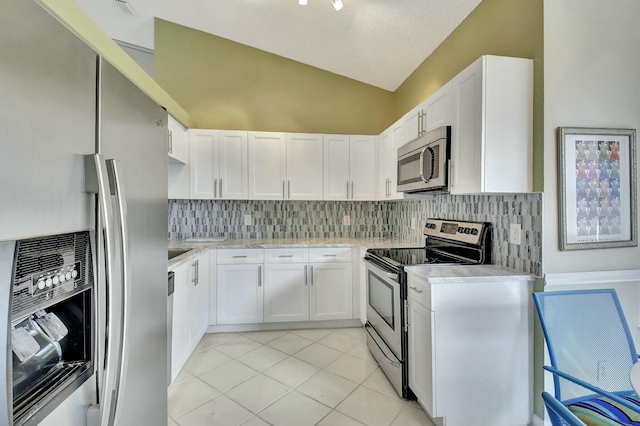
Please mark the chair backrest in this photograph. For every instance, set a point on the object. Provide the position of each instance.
(587, 337)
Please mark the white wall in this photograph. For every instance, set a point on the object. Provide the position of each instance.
(591, 79)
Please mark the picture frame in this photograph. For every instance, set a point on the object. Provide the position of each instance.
(597, 188)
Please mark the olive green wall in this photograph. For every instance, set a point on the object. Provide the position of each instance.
(495, 27)
(227, 85)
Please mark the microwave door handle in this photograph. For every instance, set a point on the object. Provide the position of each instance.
(433, 161)
(117, 184)
(424, 179)
(97, 182)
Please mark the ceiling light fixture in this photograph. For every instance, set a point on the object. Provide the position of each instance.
(302, 2)
(337, 4)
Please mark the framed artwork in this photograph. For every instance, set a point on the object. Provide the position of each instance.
(597, 188)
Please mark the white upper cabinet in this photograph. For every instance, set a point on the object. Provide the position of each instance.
(267, 166)
(304, 166)
(349, 167)
(218, 165)
(336, 167)
(492, 129)
(285, 166)
(232, 165)
(414, 123)
(438, 109)
(362, 167)
(388, 143)
(177, 142)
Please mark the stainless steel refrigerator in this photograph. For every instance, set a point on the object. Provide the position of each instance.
(60, 104)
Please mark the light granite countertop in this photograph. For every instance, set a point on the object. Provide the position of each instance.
(466, 273)
(196, 247)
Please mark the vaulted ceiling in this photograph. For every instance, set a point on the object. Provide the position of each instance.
(378, 42)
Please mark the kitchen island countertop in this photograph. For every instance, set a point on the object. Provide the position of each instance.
(466, 273)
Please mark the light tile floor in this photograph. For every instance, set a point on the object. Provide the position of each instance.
(287, 378)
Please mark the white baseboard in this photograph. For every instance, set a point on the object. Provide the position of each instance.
(235, 328)
(598, 277)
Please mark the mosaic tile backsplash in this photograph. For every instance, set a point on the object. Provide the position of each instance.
(370, 219)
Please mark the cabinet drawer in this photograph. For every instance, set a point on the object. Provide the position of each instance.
(419, 290)
(292, 255)
(231, 256)
(330, 254)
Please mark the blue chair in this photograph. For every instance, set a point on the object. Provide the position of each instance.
(591, 352)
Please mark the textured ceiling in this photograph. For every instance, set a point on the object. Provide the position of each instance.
(379, 42)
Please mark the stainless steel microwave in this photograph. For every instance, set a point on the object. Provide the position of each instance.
(423, 163)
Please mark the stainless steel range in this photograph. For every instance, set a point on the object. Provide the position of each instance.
(446, 242)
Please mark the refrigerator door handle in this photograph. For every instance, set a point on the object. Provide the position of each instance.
(117, 185)
(97, 182)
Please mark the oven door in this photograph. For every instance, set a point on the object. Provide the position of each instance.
(384, 306)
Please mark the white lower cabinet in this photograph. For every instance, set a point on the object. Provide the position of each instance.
(286, 292)
(190, 309)
(240, 294)
(199, 298)
(470, 346)
(180, 350)
(331, 291)
(421, 355)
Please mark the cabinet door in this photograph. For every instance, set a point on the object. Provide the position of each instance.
(336, 167)
(421, 352)
(213, 287)
(385, 158)
(240, 294)
(396, 137)
(286, 292)
(199, 298)
(180, 350)
(412, 124)
(233, 163)
(178, 149)
(203, 167)
(267, 166)
(362, 161)
(438, 109)
(304, 167)
(178, 176)
(331, 291)
(466, 131)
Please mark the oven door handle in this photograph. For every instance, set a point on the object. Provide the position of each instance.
(371, 265)
(389, 360)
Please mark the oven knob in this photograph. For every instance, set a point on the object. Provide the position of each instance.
(474, 232)
(74, 273)
(68, 276)
(56, 280)
(49, 282)
(467, 231)
(460, 230)
(41, 285)
(62, 278)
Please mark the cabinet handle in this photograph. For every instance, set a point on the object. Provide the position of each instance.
(406, 315)
(419, 123)
(195, 273)
(286, 255)
(388, 188)
(352, 190)
(220, 187)
(239, 257)
(311, 274)
(283, 193)
(347, 190)
(329, 255)
(306, 281)
(215, 188)
(415, 289)
(170, 142)
(450, 175)
(259, 276)
(289, 189)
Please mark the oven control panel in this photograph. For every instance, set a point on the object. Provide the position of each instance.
(467, 232)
